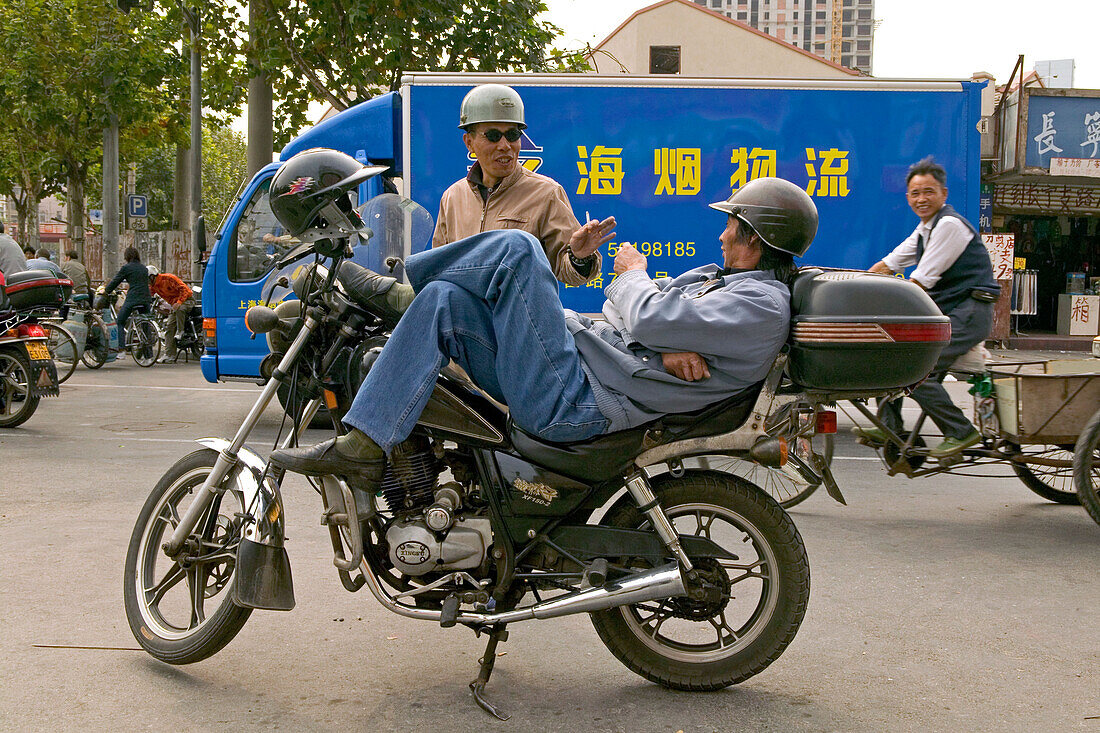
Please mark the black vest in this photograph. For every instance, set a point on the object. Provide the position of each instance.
(971, 271)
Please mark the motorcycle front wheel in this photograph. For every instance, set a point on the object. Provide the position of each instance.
(709, 644)
(181, 610)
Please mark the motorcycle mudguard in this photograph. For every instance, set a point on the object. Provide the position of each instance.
(262, 578)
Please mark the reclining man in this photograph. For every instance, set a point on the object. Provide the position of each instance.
(671, 345)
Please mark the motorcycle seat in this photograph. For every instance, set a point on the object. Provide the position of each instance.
(607, 456)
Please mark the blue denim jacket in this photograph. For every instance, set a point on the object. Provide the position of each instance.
(737, 323)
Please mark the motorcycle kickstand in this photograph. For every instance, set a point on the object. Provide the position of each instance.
(497, 634)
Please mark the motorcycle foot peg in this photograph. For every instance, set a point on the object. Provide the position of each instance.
(449, 614)
(596, 573)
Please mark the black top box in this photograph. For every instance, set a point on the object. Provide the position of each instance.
(855, 333)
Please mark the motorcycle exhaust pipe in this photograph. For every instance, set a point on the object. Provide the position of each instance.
(647, 585)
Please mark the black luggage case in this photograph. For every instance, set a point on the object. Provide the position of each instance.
(34, 289)
(855, 332)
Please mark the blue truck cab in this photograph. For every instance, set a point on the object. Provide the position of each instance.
(251, 238)
(652, 151)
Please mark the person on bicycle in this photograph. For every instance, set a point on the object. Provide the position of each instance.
(138, 296)
(952, 265)
(179, 297)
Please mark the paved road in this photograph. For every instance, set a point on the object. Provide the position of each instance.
(940, 604)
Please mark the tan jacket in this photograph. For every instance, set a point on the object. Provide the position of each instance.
(524, 200)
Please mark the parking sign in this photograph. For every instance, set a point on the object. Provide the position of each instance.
(138, 206)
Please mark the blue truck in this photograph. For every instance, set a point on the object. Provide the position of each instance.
(652, 151)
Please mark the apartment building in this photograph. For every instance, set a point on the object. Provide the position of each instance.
(839, 30)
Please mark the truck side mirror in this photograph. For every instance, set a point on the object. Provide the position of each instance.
(200, 233)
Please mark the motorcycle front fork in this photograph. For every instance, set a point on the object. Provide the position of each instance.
(227, 458)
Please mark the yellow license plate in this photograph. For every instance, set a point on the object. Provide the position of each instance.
(38, 351)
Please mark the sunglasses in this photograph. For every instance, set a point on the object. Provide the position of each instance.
(494, 135)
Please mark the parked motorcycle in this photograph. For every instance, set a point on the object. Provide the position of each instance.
(27, 370)
(694, 579)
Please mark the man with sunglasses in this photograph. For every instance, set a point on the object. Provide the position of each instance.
(952, 264)
(499, 193)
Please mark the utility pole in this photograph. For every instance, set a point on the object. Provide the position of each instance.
(197, 232)
(110, 192)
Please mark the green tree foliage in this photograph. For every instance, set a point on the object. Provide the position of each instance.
(223, 172)
(343, 51)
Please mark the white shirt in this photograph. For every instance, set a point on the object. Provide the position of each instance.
(947, 242)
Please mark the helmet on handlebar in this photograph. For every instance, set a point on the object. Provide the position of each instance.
(779, 211)
(310, 194)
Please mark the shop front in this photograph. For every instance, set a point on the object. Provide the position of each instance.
(1044, 190)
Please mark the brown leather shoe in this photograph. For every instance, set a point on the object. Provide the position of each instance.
(325, 459)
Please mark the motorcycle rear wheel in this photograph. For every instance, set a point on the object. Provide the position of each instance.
(17, 404)
(183, 613)
(696, 645)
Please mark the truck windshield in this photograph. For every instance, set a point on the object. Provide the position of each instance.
(259, 239)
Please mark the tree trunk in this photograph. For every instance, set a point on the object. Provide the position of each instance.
(181, 197)
(75, 215)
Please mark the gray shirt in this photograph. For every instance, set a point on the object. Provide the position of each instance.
(11, 256)
(737, 323)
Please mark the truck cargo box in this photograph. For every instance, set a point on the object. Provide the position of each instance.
(33, 289)
(855, 332)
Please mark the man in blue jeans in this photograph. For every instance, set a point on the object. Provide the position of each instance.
(491, 305)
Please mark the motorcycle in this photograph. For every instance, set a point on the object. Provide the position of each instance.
(27, 370)
(694, 579)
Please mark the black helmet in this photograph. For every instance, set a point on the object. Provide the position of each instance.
(780, 212)
(309, 194)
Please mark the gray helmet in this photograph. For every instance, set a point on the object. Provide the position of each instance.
(780, 212)
(153, 271)
(491, 103)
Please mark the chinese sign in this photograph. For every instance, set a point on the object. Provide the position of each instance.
(1079, 315)
(1041, 198)
(1075, 167)
(985, 208)
(655, 156)
(1001, 249)
(1062, 127)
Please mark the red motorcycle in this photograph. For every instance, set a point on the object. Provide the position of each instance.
(27, 371)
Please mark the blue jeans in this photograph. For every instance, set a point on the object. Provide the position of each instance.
(490, 303)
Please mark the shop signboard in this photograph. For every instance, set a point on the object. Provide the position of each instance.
(1075, 167)
(985, 208)
(1001, 249)
(1061, 127)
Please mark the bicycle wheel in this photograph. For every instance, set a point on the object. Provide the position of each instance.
(143, 339)
(97, 345)
(1053, 483)
(1086, 467)
(62, 348)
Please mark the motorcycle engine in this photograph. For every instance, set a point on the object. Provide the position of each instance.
(415, 549)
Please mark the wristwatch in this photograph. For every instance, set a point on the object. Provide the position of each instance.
(581, 261)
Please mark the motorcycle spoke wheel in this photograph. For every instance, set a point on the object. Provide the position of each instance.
(182, 610)
(1053, 483)
(62, 348)
(1086, 467)
(17, 404)
(97, 345)
(707, 645)
(144, 341)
